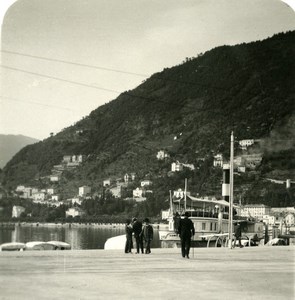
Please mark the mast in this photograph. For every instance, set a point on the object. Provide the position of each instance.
(231, 193)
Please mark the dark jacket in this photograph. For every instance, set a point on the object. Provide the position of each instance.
(137, 228)
(147, 232)
(186, 228)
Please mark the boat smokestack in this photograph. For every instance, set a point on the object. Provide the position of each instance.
(225, 183)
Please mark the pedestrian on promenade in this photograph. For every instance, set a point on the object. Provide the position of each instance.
(238, 234)
(176, 220)
(147, 234)
(186, 231)
(128, 231)
(137, 229)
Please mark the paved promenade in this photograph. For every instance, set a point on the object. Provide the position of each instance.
(214, 273)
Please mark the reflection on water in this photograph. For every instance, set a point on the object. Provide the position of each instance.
(78, 237)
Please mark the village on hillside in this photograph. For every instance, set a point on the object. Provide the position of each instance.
(246, 161)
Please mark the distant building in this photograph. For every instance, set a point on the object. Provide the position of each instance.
(270, 220)
(145, 183)
(218, 160)
(17, 211)
(39, 196)
(116, 191)
(76, 201)
(107, 182)
(54, 178)
(126, 177)
(178, 194)
(50, 191)
(20, 188)
(244, 144)
(84, 190)
(255, 210)
(290, 219)
(162, 155)
(67, 158)
(189, 166)
(55, 197)
(176, 167)
(137, 193)
(75, 212)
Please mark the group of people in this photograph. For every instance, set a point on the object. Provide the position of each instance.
(143, 235)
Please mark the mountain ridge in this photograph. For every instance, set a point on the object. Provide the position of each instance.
(10, 144)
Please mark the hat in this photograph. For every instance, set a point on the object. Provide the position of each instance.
(146, 220)
(186, 214)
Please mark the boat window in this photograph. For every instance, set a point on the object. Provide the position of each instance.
(211, 226)
(203, 226)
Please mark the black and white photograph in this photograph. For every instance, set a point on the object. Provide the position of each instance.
(147, 149)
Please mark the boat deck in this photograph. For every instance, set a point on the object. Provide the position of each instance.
(210, 273)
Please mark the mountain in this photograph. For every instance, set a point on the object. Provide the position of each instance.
(11, 144)
(188, 110)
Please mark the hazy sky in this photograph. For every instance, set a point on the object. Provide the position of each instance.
(86, 43)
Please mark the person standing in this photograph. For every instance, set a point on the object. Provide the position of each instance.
(186, 231)
(176, 220)
(238, 234)
(147, 234)
(137, 229)
(128, 231)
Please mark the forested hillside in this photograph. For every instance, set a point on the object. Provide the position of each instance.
(189, 111)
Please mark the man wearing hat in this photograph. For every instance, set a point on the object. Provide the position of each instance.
(137, 228)
(147, 233)
(186, 230)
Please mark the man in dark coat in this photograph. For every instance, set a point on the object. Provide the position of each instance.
(128, 231)
(148, 234)
(186, 230)
(137, 228)
(238, 234)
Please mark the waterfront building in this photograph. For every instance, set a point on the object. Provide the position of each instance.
(17, 211)
(255, 210)
(75, 212)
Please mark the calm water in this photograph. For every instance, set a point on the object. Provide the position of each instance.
(77, 237)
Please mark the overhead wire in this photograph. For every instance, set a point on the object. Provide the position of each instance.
(110, 70)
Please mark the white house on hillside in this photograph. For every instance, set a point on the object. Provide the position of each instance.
(17, 211)
(84, 190)
(176, 167)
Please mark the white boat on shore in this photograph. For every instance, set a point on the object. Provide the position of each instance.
(14, 246)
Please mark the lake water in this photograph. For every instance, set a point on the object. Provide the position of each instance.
(79, 237)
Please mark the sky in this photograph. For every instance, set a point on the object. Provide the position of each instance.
(61, 59)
